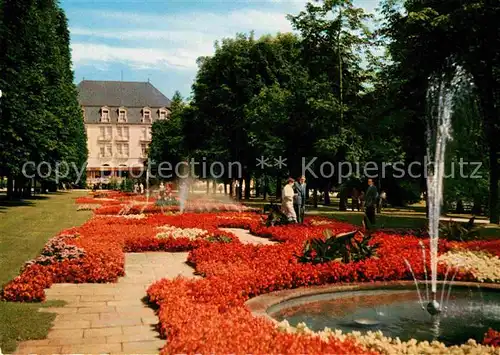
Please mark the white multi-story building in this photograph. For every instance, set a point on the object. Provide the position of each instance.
(118, 119)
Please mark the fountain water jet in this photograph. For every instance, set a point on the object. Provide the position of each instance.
(441, 91)
(183, 194)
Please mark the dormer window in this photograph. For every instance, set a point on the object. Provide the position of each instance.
(146, 115)
(122, 115)
(105, 114)
(162, 113)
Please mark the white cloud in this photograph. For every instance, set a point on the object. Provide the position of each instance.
(165, 41)
(139, 58)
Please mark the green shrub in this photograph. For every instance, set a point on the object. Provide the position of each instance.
(458, 231)
(342, 247)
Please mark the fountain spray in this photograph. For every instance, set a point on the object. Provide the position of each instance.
(439, 134)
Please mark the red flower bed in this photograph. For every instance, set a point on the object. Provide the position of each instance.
(492, 338)
(209, 315)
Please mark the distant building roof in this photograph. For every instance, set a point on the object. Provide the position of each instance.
(120, 93)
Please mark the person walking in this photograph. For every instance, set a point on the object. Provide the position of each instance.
(371, 197)
(299, 199)
(287, 201)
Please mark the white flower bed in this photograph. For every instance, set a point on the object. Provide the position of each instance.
(175, 232)
(376, 341)
(485, 267)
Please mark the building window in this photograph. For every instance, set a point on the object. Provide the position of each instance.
(122, 150)
(105, 114)
(122, 115)
(106, 133)
(102, 151)
(162, 114)
(144, 150)
(109, 150)
(122, 132)
(146, 115)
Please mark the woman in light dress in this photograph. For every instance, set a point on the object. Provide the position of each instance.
(287, 201)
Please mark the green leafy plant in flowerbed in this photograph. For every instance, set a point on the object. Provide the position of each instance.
(343, 247)
(457, 231)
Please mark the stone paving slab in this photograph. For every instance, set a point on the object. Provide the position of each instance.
(111, 318)
(246, 238)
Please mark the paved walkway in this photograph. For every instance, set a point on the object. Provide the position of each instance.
(112, 318)
(109, 318)
(246, 238)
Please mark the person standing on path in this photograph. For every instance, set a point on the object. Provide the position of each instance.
(287, 201)
(371, 198)
(299, 199)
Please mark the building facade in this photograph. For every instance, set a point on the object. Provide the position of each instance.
(118, 119)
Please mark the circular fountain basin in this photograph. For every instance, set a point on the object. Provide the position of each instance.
(397, 312)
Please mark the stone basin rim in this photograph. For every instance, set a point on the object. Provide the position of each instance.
(260, 304)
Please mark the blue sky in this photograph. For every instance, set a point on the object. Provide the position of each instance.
(160, 40)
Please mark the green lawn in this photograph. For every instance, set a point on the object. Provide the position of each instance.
(25, 227)
(410, 217)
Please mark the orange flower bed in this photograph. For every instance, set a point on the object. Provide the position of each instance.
(209, 315)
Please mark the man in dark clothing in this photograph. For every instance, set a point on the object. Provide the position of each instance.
(371, 198)
(299, 200)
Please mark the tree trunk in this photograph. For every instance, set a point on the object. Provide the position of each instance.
(214, 187)
(25, 189)
(327, 194)
(278, 187)
(240, 189)
(494, 179)
(491, 132)
(10, 188)
(343, 197)
(247, 187)
(231, 189)
(266, 187)
(315, 195)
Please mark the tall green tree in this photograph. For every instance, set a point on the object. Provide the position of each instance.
(41, 119)
(427, 36)
(333, 34)
(167, 143)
